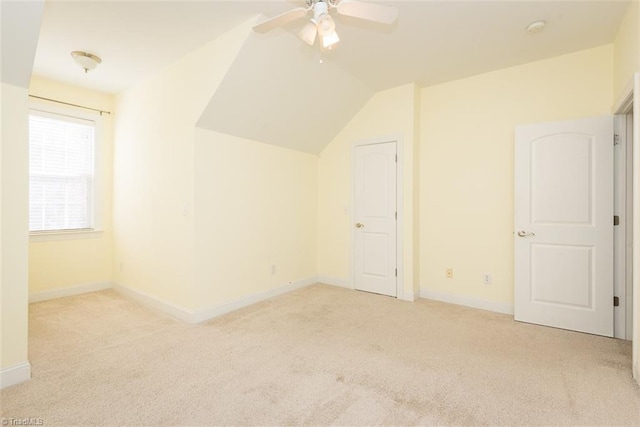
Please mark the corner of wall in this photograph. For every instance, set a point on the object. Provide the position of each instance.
(21, 23)
(14, 226)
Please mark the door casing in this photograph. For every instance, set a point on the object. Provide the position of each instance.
(623, 197)
(629, 102)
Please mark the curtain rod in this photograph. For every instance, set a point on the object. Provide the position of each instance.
(73, 105)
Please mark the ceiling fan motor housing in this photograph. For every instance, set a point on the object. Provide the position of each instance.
(312, 3)
(319, 9)
(321, 18)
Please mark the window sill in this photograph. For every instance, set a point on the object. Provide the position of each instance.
(48, 236)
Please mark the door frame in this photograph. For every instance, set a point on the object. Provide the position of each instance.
(397, 139)
(629, 102)
(623, 197)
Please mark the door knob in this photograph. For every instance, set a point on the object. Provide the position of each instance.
(523, 233)
(359, 225)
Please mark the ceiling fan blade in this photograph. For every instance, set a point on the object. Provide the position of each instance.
(280, 20)
(369, 11)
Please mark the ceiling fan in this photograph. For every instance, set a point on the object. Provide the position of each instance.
(323, 24)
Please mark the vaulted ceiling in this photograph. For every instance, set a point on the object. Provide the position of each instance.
(281, 91)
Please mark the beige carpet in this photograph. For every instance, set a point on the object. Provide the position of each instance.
(320, 355)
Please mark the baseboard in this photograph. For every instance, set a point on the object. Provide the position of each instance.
(408, 296)
(341, 283)
(70, 291)
(466, 301)
(220, 309)
(199, 316)
(15, 374)
(157, 303)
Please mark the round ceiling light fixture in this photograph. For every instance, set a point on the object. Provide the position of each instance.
(536, 27)
(87, 61)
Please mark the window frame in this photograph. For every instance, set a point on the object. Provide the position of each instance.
(49, 109)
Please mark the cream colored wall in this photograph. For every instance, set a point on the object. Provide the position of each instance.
(13, 237)
(627, 49)
(58, 264)
(255, 206)
(466, 162)
(388, 113)
(152, 183)
(155, 176)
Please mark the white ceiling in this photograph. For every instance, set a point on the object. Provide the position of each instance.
(438, 41)
(133, 38)
(290, 98)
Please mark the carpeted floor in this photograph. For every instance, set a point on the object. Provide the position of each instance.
(320, 355)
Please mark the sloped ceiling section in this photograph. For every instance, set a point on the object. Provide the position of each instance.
(278, 91)
(19, 34)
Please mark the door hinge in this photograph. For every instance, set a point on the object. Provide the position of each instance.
(616, 139)
(396, 272)
(616, 220)
(616, 301)
(396, 215)
(396, 158)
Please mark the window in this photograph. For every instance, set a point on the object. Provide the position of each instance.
(61, 172)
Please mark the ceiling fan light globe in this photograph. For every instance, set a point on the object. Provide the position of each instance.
(330, 40)
(326, 25)
(308, 33)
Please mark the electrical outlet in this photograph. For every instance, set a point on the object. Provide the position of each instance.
(486, 278)
(449, 273)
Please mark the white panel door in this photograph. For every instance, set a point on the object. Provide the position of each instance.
(564, 225)
(375, 218)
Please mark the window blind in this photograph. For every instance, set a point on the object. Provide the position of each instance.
(61, 172)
